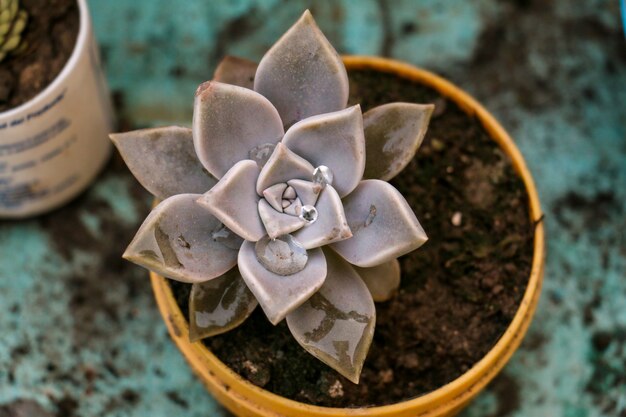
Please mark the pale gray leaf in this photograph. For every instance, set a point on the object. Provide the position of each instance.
(289, 193)
(336, 324)
(334, 140)
(276, 223)
(274, 195)
(236, 71)
(233, 200)
(283, 165)
(294, 208)
(383, 225)
(278, 295)
(219, 305)
(307, 191)
(283, 256)
(331, 224)
(382, 280)
(229, 122)
(164, 161)
(176, 241)
(302, 74)
(393, 134)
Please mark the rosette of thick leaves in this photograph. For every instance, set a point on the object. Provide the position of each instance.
(264, 200)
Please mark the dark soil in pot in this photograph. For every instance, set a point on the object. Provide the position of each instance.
(459, 292)
(49, 39)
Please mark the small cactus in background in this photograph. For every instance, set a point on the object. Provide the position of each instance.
(12, 23)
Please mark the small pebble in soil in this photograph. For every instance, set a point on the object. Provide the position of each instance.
(336, 390)
(437, 145)
(457, 218)
(258, 376)
(386, 376)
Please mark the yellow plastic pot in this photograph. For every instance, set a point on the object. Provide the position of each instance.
(247, 400)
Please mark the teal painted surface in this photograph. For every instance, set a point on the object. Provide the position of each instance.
(80, 332)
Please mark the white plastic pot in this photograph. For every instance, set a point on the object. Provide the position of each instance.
(54, 145)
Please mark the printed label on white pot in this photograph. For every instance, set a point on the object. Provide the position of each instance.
(54, 145)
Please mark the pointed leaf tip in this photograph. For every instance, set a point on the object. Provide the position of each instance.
(336, 325)
(383, 225)
(163, 160)
(302, 74)
(219, 305)
(278, 224)
(176, 241)
(331, 224)
(229, 122)
(283, 165)
(233, 200)
(393, 134)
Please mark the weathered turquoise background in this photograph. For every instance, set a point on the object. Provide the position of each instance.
(79, 331)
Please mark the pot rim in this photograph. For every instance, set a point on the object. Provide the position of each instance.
(84, 27)
(447, 398)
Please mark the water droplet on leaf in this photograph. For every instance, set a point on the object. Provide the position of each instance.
(308, 214)
(282, 256)
(323, 176)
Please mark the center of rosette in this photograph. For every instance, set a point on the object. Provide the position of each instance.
(284, 199)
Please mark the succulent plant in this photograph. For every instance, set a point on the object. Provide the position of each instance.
(269, 199)
(12, 23)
